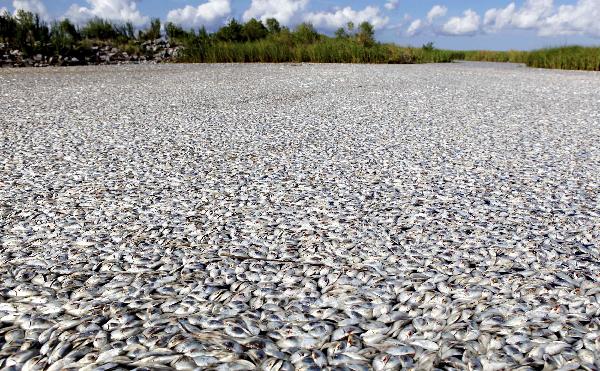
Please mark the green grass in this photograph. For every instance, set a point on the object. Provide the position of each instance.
(325, 50)
(334, 50)
(569, 58)
(566, 58)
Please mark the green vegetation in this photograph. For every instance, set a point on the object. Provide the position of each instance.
(270, 42)
(25, 31)
(255, 41)
(153, 32)
(567, 58)
(571, 58)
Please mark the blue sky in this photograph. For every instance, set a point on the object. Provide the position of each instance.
(456, 24)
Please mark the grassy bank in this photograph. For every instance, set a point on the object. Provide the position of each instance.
(326, 50)
(252, 41)
(257, 41)
(566, 58)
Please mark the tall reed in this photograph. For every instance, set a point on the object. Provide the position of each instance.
(325, 50)
(566, 58)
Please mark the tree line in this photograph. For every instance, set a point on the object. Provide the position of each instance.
(27, 32)
(235, 41)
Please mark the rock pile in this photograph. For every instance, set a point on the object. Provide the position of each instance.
(152, 51)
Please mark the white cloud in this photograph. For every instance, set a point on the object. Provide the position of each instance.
(206, 14)
(415, 27)
(435, 12)
(283, 10)
(531, 15)
(496, 19)
(34, 6)
(581, 18)
(391, 4)
(115, 10)
(418, 25)
(340, 17)
(468, 24)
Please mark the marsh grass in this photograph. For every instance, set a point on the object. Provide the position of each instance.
(566, 58)
(569, 58)
(324, 50)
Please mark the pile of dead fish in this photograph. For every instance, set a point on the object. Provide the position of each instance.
(431, 217)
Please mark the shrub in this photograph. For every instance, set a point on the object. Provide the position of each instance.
(63, 36)
(254, 30)
(232, 31)
(306, 34)
(26, 31)
(366, 34)
(153, 31)
(428, 47)
(273, 25)
(8, 27)
(99, 29)
(175, 32)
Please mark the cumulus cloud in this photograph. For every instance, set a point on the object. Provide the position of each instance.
(531, 15)
(435, 12)
(115, 10)
(415, 27)
(208, 14)
(33, 6)
(495, 19)
(468, 24)
(341, 16)
(581, 18)
(283, 10)
(541, 15)
(391, 4)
